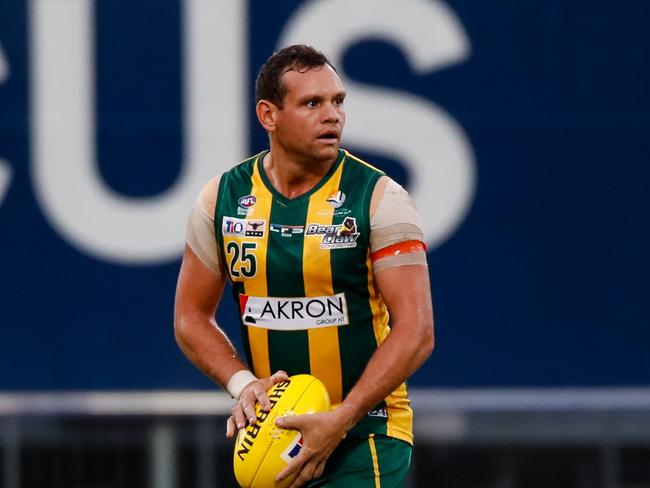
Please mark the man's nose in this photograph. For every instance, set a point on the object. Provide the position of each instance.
(330, 113)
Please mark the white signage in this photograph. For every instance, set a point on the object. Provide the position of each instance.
(412, 129)
(5, 169)
(99, 221)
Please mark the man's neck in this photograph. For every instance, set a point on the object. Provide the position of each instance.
(294, 178)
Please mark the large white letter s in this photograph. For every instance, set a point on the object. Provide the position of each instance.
(5, 169)
(407, 127)
(5, 178)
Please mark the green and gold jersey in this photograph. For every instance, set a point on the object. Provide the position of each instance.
(302, 277)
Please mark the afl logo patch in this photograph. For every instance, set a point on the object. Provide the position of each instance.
(247, 202)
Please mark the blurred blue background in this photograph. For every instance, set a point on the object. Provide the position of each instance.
(541, 276)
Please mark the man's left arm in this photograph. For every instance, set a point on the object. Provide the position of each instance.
(407, 294)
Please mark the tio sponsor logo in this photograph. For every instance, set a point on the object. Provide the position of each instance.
(243, 228)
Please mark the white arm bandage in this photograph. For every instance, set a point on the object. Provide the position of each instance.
(200, 235)
(395, 220)
(238, 382)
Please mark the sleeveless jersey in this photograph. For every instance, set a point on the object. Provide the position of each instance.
(302, 277)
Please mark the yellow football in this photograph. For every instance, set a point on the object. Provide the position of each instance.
(263, 450)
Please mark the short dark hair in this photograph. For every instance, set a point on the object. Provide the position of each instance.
(269, 86)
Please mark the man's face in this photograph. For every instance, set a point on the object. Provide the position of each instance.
(310, 123)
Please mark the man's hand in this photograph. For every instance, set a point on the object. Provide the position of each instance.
(243, 412)
(321, 433)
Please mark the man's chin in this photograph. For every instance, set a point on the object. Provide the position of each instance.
(328, 153)
(319, 155)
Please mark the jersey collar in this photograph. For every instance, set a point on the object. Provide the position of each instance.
(290, 202)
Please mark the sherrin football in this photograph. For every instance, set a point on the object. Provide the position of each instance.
(263, 450)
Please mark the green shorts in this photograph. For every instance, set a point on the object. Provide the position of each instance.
(372, 461)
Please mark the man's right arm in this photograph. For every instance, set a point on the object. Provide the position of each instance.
(198, 294)
(206, 345)
(200, 286)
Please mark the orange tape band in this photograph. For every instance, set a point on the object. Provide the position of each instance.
(405, 247)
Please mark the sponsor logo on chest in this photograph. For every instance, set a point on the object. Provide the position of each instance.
(341, 236)
(300, 313)
(233, 226)
(287, 230)
(337, 199)
(244, 203)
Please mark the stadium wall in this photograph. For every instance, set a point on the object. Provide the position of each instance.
(520, 129)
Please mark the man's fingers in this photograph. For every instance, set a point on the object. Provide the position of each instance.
(260, 389)
(305, 474)
(291, 422)
(294, 466)
(319, 470)
(278, 376)
(238, 416)
(255, 392)
(262, 398)
(248, 400)
(230, 426)
(275, 378)
(249, 411)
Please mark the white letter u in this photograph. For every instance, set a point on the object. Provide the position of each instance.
(68, 185)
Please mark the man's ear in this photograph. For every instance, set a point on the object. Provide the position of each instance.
(266, 114)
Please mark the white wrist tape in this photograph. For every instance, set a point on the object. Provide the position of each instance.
(238, 381)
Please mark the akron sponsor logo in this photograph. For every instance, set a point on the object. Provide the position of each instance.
(243, 227)
(279, 313)
(341, 236)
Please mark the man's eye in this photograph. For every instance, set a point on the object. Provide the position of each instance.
(311, 103)
(338, 101)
